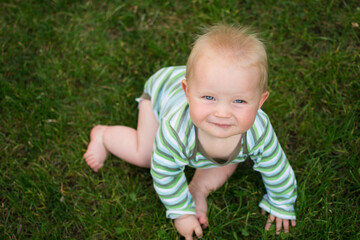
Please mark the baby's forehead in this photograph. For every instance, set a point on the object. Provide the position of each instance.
(206, 66)
(226, 61)
(225, 54)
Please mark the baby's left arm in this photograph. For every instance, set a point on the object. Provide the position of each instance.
(279, 180)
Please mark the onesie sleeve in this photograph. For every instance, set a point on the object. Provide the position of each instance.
(277, 174)
(167, 169)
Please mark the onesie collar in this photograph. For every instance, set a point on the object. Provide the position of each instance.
(219, 161)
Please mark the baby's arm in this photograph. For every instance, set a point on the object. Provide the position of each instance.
(167, 169)
(279, 180)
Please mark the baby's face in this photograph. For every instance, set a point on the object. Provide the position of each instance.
(223, 97)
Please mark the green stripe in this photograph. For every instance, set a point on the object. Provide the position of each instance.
(270, 144)
(273, 154)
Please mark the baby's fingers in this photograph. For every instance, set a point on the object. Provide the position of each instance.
(279, 223)
(269, 222)
(198, 231)
(286, 225)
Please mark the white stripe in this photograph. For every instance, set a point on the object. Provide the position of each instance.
(173, 214)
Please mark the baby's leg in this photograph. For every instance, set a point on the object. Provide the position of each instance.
(204, 182)
(131, 145)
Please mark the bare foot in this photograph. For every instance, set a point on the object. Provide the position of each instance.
(96, 153)
(200, 205)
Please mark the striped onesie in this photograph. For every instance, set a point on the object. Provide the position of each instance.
(176, 146)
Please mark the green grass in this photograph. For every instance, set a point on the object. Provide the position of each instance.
(66, 66)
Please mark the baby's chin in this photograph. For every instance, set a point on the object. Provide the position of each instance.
(226, 132)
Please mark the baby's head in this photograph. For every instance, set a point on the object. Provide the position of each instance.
(236, 44)
(226, 81)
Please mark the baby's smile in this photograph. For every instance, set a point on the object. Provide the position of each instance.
(221, 125)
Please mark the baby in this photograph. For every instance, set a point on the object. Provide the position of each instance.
(206, 115)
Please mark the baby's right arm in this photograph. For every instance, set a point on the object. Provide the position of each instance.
(167, 169)
(186, 225)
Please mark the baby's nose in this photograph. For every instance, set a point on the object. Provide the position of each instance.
(222, 112)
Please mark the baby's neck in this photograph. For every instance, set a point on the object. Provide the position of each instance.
(220, 148)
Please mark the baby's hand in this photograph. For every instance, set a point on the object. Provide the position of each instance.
(186, 225)
(279, 223)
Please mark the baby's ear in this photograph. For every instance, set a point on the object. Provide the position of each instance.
(184, 84)
(263, 98)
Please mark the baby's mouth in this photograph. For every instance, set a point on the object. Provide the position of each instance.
(222, 125)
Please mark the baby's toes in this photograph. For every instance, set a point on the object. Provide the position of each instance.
(203, 220)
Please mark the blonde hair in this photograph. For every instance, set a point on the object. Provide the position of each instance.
(238, 43)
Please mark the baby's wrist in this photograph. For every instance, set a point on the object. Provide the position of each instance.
(185, 216)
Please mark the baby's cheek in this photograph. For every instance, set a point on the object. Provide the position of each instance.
(196, 115)
(248, 120)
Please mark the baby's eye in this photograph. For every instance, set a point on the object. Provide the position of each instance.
(239, 101)
(210, 98)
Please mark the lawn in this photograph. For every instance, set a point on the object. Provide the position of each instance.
(66, 66)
